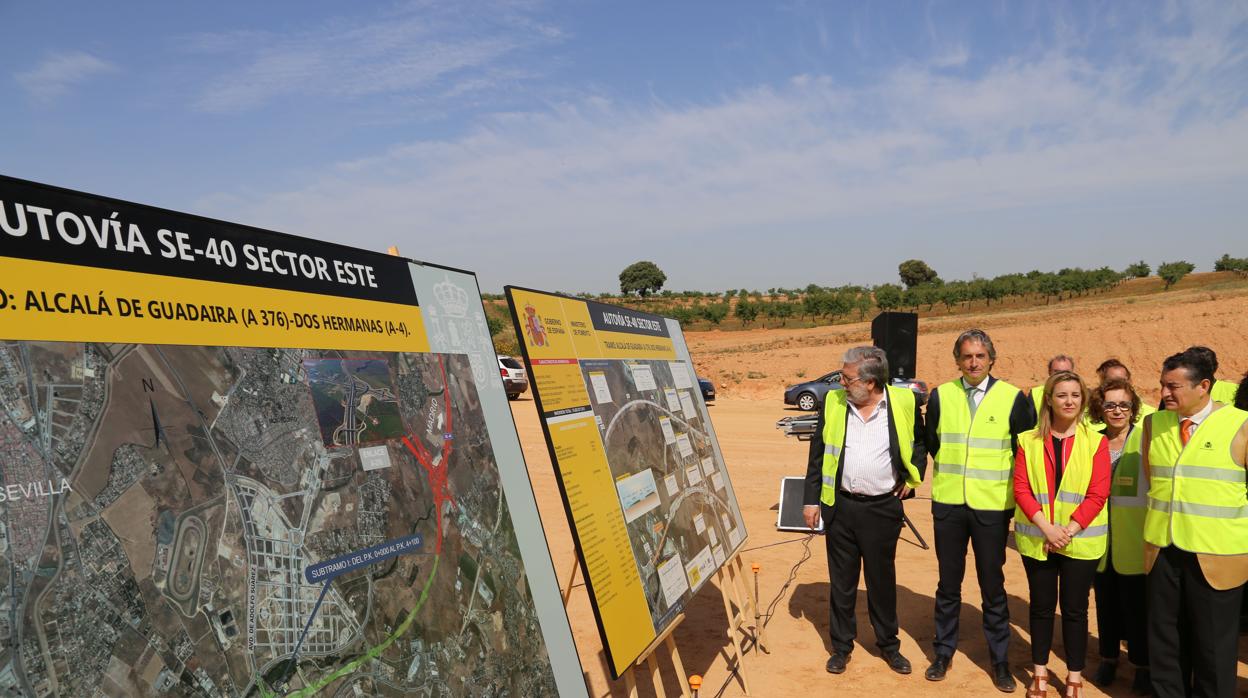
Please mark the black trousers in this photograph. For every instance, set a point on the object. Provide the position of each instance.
(955, 524)
(1122, 614)
(1193, 629)
(862, 536)
(1070, 581)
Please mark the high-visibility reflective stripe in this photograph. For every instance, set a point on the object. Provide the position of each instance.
(1070, 497)
(831, 450)
(952, 438)
(1199, 472)
(829, 481)
(980, 442)
(1128, 502)
(1209, 511)
(985, 474)
(949, 468)
(1205, 472)
(1042, 498)
(1090, 532)
(1028, 530)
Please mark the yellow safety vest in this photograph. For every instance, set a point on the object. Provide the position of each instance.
(1128, 502)
(975, 464)
(1224, 392)
(1198, 494)
(834, 415)
(1088, 544)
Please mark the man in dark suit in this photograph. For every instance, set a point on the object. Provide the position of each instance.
(972, 425)
(866, 455)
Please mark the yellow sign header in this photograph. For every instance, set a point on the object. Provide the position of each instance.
(555, 327)
(47, 301)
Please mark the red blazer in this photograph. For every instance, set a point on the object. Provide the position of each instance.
(1093, 499)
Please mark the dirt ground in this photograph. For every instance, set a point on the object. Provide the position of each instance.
(794, 587)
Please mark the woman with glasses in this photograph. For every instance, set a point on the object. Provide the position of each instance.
(1061, 482)
(1121, 608)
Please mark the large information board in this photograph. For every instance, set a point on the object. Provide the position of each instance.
(240, 463)
(651, 508)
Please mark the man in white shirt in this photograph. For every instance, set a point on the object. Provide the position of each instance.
(866, 454)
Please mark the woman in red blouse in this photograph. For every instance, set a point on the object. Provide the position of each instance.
(1061, 481)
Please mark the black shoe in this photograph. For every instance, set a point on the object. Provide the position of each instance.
(898, 663)
(836, 663)
(1105, 673)
(936, 671)
(1142, 684)
(1002, 679)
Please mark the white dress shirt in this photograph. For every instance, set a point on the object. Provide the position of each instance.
(1197, 418)
(980, 390)
(868, 467)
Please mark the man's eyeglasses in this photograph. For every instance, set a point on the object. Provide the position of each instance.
(1116, 407)
(850, 380)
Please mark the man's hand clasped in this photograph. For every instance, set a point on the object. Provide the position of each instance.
(811, 512)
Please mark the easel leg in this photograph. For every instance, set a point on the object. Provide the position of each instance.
(651, 660)
(567, 593)
(736, 623)
(678, 665)
(655, 679)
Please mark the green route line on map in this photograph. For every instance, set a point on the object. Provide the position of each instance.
(372, 653)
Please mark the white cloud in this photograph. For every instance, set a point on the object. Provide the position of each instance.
(440, 48)
(1051, 131)
(59, 72)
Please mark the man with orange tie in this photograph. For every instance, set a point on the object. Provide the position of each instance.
(1195, 531)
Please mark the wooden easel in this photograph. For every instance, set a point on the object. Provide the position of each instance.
(744, 624)
(649, 658)
(745, 628)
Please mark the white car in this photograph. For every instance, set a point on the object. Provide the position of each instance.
(515, 380)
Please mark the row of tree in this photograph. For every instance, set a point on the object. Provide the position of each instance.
(921, 288)
(644, 279)
(835, 304)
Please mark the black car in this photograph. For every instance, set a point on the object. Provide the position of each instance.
(809, 395)
(708, 389)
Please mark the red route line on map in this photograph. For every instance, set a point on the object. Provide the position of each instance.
(437, 474)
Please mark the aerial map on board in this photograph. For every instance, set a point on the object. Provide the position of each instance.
(682, 521)
(206, 522)
(240, 463)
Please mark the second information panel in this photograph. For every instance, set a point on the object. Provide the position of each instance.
(641, 473)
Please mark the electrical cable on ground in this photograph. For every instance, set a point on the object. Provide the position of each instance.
(783, 542)
(771, 607)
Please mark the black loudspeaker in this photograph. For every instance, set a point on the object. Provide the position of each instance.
(898, 335)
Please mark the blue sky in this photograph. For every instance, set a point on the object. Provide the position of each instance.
(550, 144)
